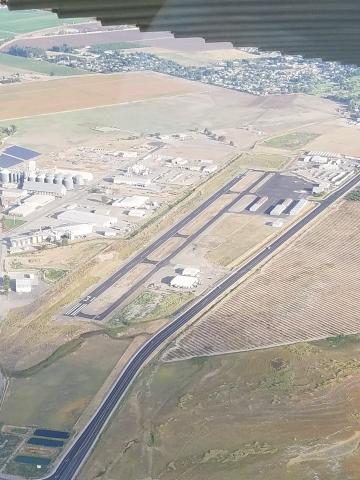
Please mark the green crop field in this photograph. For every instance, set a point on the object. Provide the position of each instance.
(39, 66)
(12, 23)
(291, 141)
(9, 223)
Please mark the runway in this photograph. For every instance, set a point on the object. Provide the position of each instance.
(82, 445)
(141, 257)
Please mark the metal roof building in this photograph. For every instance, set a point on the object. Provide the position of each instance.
(44, 188)
(298, 206)
(191, 272)
(81, 216)
(136, 201)
(23, 210)
(183, 281)
(281, 207)
(23, 285)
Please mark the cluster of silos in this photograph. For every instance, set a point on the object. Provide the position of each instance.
(10, 176)
(69, 181)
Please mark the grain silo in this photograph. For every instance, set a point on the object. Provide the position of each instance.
(68, 182)
(40, 178)
(49, 178)
(79, 180)
(58, 179)
(4, 176)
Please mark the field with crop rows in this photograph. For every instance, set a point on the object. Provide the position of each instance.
(308, 291)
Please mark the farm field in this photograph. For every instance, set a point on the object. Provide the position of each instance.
(12, 23)
(292, 141)
(289, 413)
(202, 107)
(163, 40)
(57, 394)
(198, 58)
(308, 291)
(43, 67)
(87, 92)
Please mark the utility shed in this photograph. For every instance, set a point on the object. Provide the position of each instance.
(23, 285)
(183, 281)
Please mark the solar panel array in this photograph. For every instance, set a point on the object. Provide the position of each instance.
(6, 161)
(21, 152)
(15, 155)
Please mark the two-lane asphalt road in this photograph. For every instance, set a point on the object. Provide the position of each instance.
(82, 445)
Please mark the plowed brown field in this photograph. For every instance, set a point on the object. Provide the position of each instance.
(90, 91)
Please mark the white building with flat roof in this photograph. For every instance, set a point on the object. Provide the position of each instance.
(72, 232)
(82, 216)
(23, 210)
(133, 181)
(137, 212)
(23, 285)
(209, 169)
(183, 281)
(136, 201)
(39, 200)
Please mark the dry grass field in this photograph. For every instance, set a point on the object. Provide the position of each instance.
(197, 58)
(88, 91)
(57, 394)
(308, 291)
(235, 235)
(286, 413)
(67, 257)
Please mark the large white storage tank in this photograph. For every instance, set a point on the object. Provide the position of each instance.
(49, 178)
(68, 182)
(58, 180)
(40, 178)
(79, 180)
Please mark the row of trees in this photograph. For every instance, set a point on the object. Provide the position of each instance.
(26, 52)
(6, 284)
(64, 48)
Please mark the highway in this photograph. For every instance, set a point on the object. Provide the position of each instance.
(82, 445)
(142, 256)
